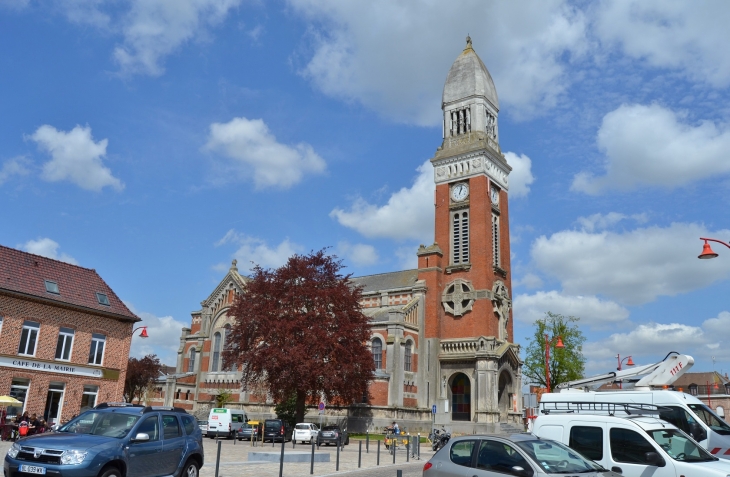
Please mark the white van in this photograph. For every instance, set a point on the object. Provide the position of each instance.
(637, 446)
(681, 409)
(225, 422)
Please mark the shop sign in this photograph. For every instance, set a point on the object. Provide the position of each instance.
(18, 362)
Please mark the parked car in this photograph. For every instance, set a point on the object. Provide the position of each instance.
(305, 432)
(223, 422)
(248, 431)
(330, 435)
(113, 440)
(277, 430)
(522, 455)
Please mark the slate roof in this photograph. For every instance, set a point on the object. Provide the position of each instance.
(380, 313)
(386, 281)
(25, 273)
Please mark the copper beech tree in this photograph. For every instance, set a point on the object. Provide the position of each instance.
(300, 331)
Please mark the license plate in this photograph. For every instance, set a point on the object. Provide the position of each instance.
(33, 469)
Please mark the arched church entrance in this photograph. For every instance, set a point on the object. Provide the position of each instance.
(504, 395)
(460, 398)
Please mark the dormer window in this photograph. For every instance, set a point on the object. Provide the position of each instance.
(102, 299)
(52, 287)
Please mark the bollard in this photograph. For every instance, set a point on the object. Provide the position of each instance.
(235, 438)
(337, 467)
(394, 447)
(359, 455)
(218, 459)
(408, 449)
(418, 447)
(281, 460)
(378, 454)
(367, 442)
(311, 465)
(398, 473)
(293, 442)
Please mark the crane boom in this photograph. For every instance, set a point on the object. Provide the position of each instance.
(662, 373)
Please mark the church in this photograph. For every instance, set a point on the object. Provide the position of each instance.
(441, 334)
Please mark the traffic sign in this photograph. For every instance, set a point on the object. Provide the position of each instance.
(433, 409)
(321, 406)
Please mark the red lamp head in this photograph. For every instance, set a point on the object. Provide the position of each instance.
(715, 386)
(630, 362)
(143, 333)
(707, 252)
(560, 344)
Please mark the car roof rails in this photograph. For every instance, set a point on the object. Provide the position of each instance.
(106, 405)
(165, 408)
(610, 408)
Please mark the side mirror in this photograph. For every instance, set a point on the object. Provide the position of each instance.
(698, 433)
(521, 472)
(654, 459)
(141, 437)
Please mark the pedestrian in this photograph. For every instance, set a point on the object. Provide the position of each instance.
(396, 429)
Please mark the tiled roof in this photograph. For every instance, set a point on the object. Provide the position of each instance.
(386, 281)
(701, 379)
(26, 273)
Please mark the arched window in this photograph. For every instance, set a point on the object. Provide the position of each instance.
(377, 347)
(216, 351)
(191, 361)
(226, 337)
(407, 356)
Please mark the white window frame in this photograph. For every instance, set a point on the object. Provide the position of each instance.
(1, 324)
(24, 387)
(408, 356)
(68, 340)
(90, 390)
(30, 328)
(96, 339)
(378, 362)
(215, 362)
(191, 359)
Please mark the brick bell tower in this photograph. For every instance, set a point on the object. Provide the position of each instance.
(474, 370)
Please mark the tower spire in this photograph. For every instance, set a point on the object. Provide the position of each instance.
(468, 43)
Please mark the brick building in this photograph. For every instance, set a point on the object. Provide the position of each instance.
(441, 333)
(712, 388)
(64, 336)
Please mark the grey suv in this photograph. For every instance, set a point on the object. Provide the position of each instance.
(113, 440)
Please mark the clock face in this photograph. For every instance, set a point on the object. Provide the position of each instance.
(494, 193)
(459, 192)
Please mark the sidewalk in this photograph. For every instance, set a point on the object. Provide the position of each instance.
(234, 459)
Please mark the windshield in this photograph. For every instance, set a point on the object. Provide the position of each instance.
(272, 424)
(556, 458)
(110, 424)
(680, 446)
(303, 426)
(710, 418)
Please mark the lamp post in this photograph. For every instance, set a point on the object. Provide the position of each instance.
(630, 362)
(707, 252)
(548, 342)
(143, 334)
(709, 391)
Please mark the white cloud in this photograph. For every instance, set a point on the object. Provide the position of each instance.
(252, 250)
(523, 45)
(17, 166)
(46, 247)
(407, 215)
(604, 221)
(677, 35)
(521, 176)
(650, 145)
(406, 256)
(85, 12)
(591, 310)
(14, 4)
(253, 150)
(359, 253)
(75, 158)
(632, 267)
(154, 29)
(164, 336)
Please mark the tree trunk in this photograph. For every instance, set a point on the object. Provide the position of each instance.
(301, 403)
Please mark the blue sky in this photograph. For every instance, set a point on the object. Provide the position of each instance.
(156, 140)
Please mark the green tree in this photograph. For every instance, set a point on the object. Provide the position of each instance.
(222, 397)
(287, 410)
(566, 364)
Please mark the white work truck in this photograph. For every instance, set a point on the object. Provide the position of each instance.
(649, 386)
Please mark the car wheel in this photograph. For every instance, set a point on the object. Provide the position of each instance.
(191, 469)
(311, 440)
(110, 471)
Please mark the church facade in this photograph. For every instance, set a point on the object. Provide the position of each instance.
(442, 333)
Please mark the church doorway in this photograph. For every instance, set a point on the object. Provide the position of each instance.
(460, 398)
(504, 395)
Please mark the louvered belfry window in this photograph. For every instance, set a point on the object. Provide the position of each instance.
(460, 238)
(495, 239)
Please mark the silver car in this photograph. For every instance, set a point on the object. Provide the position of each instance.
(522, 455)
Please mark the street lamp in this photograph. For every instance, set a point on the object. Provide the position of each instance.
(707, 250)
(143, 334)
(630, 362)
(548, 342)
